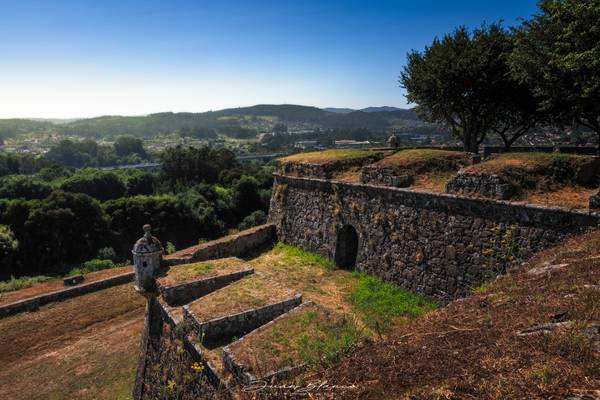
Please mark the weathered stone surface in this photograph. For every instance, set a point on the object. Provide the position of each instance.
(595, 201)
(407, 237)
(183, 293)
(240, 323)
(385, 176)
(228, 246)
(73, 280)
(485, 185)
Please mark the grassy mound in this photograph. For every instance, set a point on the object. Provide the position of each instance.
(532, 334)
(428, 169)
(544, 171)
(328, 156)
(419, 161)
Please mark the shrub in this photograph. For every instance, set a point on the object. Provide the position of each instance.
(107, 253)
(91, 266)
(256, 218)
(23, 187)
(22, 282)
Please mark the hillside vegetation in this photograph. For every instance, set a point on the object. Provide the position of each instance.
(533, 334)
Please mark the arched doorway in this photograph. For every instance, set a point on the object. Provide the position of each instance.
(346, 248)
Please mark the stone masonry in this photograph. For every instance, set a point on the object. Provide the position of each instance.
(441, 245)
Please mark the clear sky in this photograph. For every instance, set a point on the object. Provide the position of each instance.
(62, 59)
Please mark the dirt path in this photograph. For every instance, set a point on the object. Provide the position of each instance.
(83, 348)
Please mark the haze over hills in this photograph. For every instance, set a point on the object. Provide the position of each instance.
(261, 117)
(366, 109)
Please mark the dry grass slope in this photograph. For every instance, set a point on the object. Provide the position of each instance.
(473, 348)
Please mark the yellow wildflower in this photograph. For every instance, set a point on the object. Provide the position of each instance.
(197, 367)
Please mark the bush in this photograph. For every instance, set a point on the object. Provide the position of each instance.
(23, 282)
(107, 253)
(98, 184)
(91, 266)
(24, 187)
(254, 219)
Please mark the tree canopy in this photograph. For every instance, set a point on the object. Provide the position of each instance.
(463, 81)
(557, 53)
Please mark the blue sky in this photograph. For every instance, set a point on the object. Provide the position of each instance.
(84, 58)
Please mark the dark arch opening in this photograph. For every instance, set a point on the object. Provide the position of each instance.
(346, 248)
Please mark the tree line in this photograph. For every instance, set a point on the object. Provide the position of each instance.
(494, 80)
(59, 217)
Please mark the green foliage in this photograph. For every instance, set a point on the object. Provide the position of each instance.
(304, 256)
(9, 247)
(12, 163)
(170, 248)
(380, 302)
(107, 253)
(195, 165)
(22, 282)
(91, 266)
(256, 218)
(88, 153)
(171, 220)
(126, 145)
(23, 187)
(246, 197)
(101, 185)
(558, 54)
(456, 81)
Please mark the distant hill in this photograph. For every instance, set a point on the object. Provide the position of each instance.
(368, 109)
(261, 117)
(339, 110)
(384, 108)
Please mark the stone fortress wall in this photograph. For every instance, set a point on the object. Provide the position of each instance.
(438, 244)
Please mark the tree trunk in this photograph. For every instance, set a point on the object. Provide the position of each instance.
(470, 141)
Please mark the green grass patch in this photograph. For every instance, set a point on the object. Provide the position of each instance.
(312, 336)
(92, 266)
(19, 283)
(380, 303)
(303, 256)
(324, 344)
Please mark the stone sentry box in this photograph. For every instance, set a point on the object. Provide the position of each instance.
(147, 256)
(438, 244)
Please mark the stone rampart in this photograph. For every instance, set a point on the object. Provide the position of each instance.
(240, 323)
(33, 303)
(228, 246)
(183, 293)
(438, 244)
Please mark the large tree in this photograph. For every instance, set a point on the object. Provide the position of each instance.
(462, 81)
(557, 52)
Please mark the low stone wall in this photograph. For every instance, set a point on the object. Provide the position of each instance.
(240, 323)
(167, 352)
(240, 371)
(438, 244)
(485, 185)
(183, 293)
(227, 246)
(33, 303)
(385, 176)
